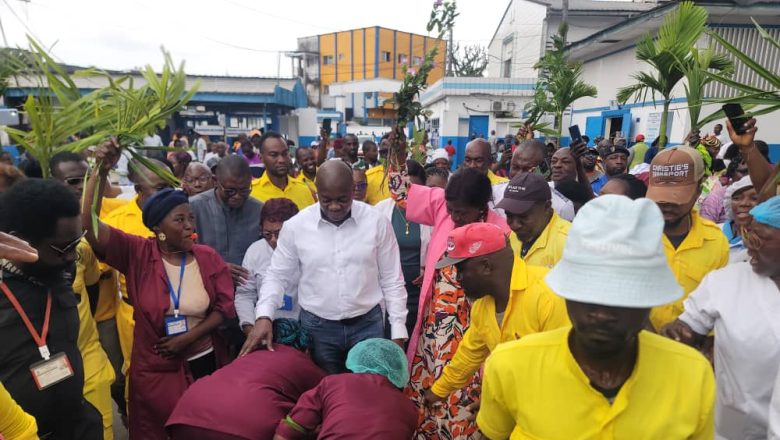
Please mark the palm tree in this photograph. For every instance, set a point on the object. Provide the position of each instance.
(696, 68)
(679, 33)
(561, 79)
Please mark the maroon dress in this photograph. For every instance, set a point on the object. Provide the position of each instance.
(156, 384)
(353, 407)
(247, 398)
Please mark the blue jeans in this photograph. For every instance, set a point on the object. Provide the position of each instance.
(331, 340)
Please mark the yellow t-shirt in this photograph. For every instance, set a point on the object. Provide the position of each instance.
(297, 191)
(703, 250)
(127, 218)
(15, 424)
(548, 247)
(535, 389)
(532, 308)
(310, 183)
(377, 186)
(495, 179)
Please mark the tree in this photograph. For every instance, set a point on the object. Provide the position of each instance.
(695, 69)
(560, 78)
(666, 53)
(13, 62)
(469, 60)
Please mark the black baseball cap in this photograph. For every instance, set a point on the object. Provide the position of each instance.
(523, 192)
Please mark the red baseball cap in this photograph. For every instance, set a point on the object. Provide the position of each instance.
(472, 240)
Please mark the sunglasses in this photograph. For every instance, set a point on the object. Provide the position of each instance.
(69, 247)
(231, 192)
(73, 181)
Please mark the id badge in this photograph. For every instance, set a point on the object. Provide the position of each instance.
(52, 371)
(288, 304)
(175, 325)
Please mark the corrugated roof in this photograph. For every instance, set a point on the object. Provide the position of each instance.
(600, 5)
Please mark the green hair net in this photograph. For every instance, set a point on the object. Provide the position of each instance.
(289, 332)
(379, 356)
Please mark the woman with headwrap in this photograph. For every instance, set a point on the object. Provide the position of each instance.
(181, 293)
(739, 199)
(741, 303)
(247, 398)
(364, 404)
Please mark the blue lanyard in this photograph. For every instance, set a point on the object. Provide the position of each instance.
(175, 296)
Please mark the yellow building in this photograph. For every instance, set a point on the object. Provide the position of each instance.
(364, 58)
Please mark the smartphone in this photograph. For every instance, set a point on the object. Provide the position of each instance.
(326, 126)
(574, 133)
(737, 116)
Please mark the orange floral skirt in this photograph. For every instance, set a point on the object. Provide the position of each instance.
(446, 320)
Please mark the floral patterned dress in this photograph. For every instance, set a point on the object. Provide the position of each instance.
(446, 320)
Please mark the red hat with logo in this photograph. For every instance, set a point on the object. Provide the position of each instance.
(472, 240)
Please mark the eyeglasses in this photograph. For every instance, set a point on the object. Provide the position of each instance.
(73, 181)
(69, 247)
(231, 192)
(269, 235)
(202, 179)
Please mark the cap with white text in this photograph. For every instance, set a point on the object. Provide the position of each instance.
(675, 175)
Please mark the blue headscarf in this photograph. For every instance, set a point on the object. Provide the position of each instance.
(768, 212)
(160, 204)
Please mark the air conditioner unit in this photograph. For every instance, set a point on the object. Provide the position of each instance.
(499, 106)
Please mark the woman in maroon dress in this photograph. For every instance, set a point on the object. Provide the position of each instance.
(181, 293)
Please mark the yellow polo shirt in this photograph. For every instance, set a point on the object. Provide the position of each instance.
(703, 250)
(310, 183)
(532, 308)
(98, 372)
(496, 179)
(296, 191)
(548, 247)
(535, 389)
(109, 295)
(377, 185)
(15, 424)
(127, 218)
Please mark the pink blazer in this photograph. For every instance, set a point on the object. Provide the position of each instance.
(427, 206)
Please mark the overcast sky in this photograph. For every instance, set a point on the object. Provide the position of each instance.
(217, 37)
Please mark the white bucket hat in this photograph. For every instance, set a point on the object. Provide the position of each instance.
(614, 256)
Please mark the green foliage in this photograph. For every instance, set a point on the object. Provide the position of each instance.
(748, 95)
(406, 100)
(695, 68)
(120, 110)
(469, 61)
(664, 52)
(559, 84)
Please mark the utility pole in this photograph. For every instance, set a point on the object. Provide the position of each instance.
(565, 13)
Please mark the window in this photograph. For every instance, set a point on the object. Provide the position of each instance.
(385, 57)
(416, 61)
(507, 69)
(403, 58)
(327, 59)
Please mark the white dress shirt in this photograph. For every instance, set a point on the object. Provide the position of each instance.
(774, 412)
(743, 309)
(256, 261)
(345, 270)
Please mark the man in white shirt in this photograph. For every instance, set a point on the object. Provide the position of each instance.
(526, 159)
(741, 303)
(349, 264)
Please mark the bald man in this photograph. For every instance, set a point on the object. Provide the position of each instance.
(342, 280)
(526, 159)
(197, 179)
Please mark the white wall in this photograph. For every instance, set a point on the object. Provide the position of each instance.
(453, 116)
(611, 73)
(525, 22)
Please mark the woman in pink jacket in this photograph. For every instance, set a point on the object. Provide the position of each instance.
(443, 314)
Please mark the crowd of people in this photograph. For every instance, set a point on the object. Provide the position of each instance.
(585, 292)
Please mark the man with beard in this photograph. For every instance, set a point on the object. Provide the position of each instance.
(276, 182)
(603, 377)
(345, 259)
(40, 363)
(694, 246)
(504, 289)
(307, 167)
(615, 159)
